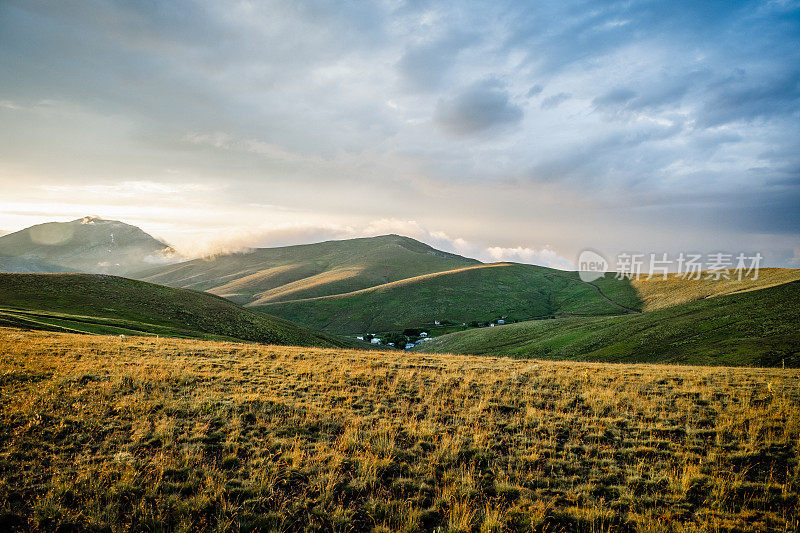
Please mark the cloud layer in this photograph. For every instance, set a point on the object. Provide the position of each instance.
(516, 125)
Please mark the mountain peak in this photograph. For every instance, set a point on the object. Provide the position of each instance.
(89, 244)
(90, 219)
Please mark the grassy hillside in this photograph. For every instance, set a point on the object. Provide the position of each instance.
(658, 293)
(752, 328)
(108, 304)
(390, 283)
(167, 434)
(475, 293)
(291, 272)
(89, 244)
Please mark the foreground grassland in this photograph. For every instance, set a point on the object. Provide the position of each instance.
(150, 433)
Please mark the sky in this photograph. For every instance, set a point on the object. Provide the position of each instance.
(504, 130)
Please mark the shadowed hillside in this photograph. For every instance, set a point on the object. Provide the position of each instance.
(757, 328)
(109, 304)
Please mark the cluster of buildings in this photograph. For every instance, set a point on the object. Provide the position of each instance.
(423, 336)
(414, 340)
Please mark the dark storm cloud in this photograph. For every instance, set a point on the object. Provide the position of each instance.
(483, 106)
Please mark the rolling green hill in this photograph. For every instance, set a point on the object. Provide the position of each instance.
(659, 293)
(758, 328)
(475, 293)
(350, 286)
(291, 272)
(89, 244)
(108, 304)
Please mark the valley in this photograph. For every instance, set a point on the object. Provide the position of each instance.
(390, 289)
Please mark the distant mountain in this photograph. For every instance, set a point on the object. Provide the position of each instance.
(89, 244)
(268, 275)
(754, 328)
(23, 265)
(108, 304)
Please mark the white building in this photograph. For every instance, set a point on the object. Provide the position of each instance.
(375, 340)
(423, 334)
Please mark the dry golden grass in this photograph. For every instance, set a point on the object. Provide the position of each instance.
(97, 432)
(660, 293)
(285, 292)
(271, 277)
(390, 285)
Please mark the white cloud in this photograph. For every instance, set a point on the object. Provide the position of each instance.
(331, 108)
(543, 257)
(226, 141)
(305, 233)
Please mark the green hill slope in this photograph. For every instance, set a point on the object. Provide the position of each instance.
(291, 272)
(757, 328)
(475, 293)
(89, 244)
(109, 304)
(658, 293)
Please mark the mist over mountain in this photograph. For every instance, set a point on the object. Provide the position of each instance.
(89, 244)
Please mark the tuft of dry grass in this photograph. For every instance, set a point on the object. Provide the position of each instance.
(172, 434)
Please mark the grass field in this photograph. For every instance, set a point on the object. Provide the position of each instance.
(755, 328)
(181, 434)
(480, 293)
(113, 305)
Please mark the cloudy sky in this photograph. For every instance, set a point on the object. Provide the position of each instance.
(506, 130)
